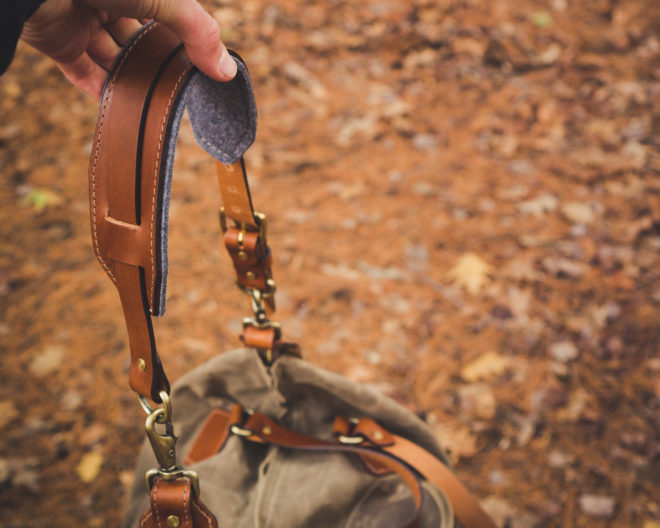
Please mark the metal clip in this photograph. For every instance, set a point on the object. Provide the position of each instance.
(163, 446)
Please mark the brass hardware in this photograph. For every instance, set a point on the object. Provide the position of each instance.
(259, 220)
(239, 431)
(223, 219)
(351, 440)
(242, 255)
(241, 235)
(162, 444)
(267, 430)
(249, 275)
(142, 364)
(173, 521)
(148, 409)
(172, 475)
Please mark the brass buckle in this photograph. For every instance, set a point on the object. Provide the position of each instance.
(259, 219)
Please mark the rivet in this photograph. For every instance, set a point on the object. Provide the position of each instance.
(267, 430)
(173, 521)
(378, 435)
(249, 275)
(242, 255)
(142, 365)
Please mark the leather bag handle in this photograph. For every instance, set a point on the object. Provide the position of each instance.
(130, 174)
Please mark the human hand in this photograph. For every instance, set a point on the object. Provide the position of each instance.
(84, 37)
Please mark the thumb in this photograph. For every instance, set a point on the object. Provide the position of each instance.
(201, 36)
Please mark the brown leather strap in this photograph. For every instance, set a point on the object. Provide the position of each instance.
(123, 184)
(235, 193)
(129, 176)
(174, 505)
(377, 441)
(466, 507)
(257, 427)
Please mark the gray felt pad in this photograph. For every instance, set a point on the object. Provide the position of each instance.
(224, 121)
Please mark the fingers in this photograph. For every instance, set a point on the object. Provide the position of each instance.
(103, 49)
(85, 74)
(199, 31)
(122, 29)
(201, 35)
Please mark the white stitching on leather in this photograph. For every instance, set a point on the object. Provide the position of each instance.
(143, 522)
(185, 508)
(202, 512)
(155, 505)
(98, 140)
(163, 127)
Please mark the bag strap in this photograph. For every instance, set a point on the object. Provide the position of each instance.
(130, 177)
(258, 428)
(382, 451)
(370, 433)
(131, 170)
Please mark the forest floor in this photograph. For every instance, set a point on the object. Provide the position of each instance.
(464, 210)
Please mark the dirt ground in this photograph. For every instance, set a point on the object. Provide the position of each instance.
(464, 206)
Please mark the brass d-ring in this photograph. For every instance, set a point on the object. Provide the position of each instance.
(167, 406)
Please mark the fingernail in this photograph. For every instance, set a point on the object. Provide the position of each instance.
(227, 65)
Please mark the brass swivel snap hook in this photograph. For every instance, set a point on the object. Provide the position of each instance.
(163, 445)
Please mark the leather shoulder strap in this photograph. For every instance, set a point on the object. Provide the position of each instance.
(131, 169)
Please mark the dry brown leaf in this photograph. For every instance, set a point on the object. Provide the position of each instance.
(487, 366)
(458, 441)
(8, 412)
(89, 466)
(579, 213)
(471, 272)
(47, 361)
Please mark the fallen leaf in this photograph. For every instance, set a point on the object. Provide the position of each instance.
(458, 441)
(564, 351)
(477, 401)
(487, 366)
(522, 269)
(564, 267)
(89, 466)
(597, 506)
(126, 478)
(550, 54)
(39, 199)
(8, 412)
(540, 205)
(579, 213)
(542, 19)
(578, 406)
(47, 361)
(471, 272)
